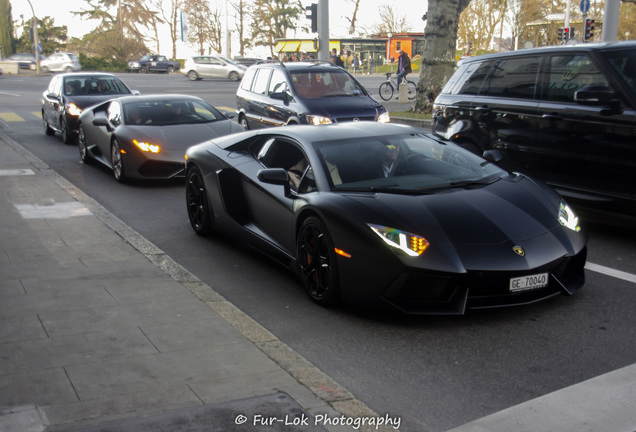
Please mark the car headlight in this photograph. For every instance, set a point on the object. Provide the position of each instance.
(384, 118)
(568, 218)
(147, 147)
(318, 120)
(411, 244)
(73, 109)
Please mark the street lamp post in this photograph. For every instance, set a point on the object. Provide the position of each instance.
(36, 42)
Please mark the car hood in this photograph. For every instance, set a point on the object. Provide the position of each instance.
(343, 106)
(480, 228)
(507, 210)
(182, 136)
(87, 101)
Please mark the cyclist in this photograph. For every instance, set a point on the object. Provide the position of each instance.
(404, 66)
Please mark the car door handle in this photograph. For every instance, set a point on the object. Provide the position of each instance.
(482, 109)
(551, 117)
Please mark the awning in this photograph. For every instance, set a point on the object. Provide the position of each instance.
(290, 46)
(279, 46)
(307, 46)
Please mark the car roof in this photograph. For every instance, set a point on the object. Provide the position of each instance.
(301, 65)
(582, 47)
(157, 97)
(339, 131)
(83, 74)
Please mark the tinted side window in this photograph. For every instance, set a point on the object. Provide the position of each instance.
(260, 83)
(114, 113)
(513, 78)
(473, 78)
(566, 74)
(278, 83)
(246, 82)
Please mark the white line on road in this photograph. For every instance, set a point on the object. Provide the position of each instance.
(611, 272)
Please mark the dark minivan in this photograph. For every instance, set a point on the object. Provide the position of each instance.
(311, 92)
(565, 114)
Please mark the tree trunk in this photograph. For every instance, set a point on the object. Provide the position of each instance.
(438, 56)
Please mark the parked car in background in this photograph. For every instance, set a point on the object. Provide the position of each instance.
(212, 66)
(246, 61)
(442, 231)
(147, 136)
(61, 62)
(24, 60)
(68, 94)
(565, 114)
(313, 92)
(154, 63)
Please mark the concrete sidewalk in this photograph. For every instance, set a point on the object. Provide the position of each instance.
(99, 325)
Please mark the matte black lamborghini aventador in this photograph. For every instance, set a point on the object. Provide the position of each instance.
(386, 213)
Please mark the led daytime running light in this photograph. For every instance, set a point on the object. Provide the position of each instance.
(411, 244)
(152, 148)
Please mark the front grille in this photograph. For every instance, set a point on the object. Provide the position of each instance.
(162, 169)
(351, 119)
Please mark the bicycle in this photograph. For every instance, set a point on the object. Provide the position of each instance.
(390, 86)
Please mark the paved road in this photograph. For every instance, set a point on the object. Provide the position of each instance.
(433, 372)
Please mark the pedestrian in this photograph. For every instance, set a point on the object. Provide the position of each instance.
(356, 64)
(404, 66)
(336, 58)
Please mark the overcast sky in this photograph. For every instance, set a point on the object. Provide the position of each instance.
(368, 15)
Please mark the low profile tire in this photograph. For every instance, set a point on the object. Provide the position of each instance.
(199, 210)
(47, 127)
(243, 122)
(67, 135)
(83, 145)
(117, 161)
(193, 76)
(317, 262)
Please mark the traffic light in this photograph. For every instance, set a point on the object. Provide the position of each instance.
(560, 34)
(312, 14)
(566, 34)
(589, 29)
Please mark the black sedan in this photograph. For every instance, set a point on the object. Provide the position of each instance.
(147, 136)
(68, 94)
(387, 214)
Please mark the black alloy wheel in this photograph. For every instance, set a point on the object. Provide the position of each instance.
(317, 262)
(67, 135)
(117, 161)
(83, 145)
(47, 127)
(199, 211)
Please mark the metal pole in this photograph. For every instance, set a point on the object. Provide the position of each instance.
(610, 20)
(567, 14)
(323, 30)
(36, 41)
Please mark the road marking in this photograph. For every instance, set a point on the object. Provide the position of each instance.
(611, 272)
(38, 114)
(62, 210)
(10, 117)
(10, 94)
(15, 172)
(222, 108)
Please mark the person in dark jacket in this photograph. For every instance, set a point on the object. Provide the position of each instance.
(404, 65)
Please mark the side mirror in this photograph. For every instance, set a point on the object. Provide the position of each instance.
(596, 95)
(493, 156)
(101, 121)
(229, 114)
(285, 97)
(275, 176)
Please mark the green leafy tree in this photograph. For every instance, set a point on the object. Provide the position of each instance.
(204, 25)
(120, 31)
(242, 14)
(272, 19)
(6, 28)
(53, 38)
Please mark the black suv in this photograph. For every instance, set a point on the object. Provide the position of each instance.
(315, 92)
(564, 114)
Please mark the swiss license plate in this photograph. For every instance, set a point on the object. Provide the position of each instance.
(529, 282)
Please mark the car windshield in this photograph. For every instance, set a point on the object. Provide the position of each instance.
(170, 111)
(94, 85)
(411, 163)
(312, 84)
(624, 62)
